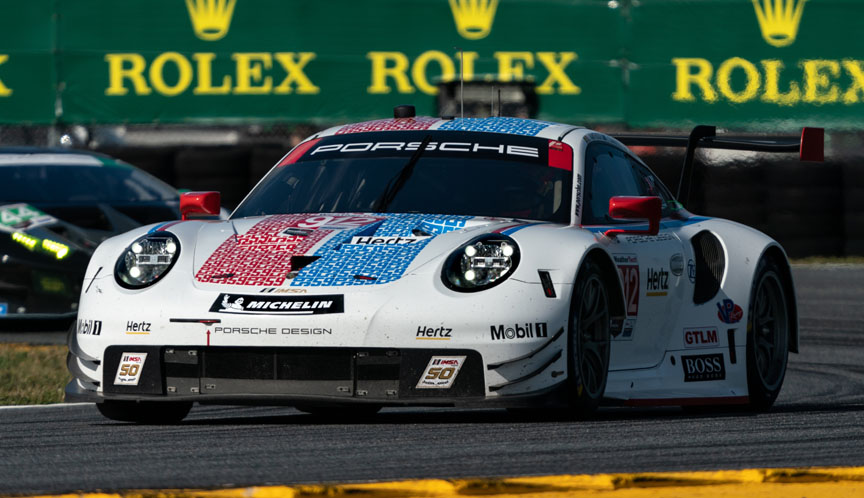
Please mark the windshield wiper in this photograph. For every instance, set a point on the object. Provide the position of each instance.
(397, 182)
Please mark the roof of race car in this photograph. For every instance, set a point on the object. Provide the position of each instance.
(507, 125)
(21, 156)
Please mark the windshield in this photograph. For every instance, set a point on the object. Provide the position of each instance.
(76, 183)
(482, 174)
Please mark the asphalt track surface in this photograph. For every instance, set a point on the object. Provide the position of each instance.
(818, 421)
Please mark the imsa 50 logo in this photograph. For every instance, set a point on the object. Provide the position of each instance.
(441, 372)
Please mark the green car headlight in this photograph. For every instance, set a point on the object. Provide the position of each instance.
(147, 260)
(484, 262)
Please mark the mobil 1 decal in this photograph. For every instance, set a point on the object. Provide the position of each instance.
(278, 305)
(442, 144)
(703, 367)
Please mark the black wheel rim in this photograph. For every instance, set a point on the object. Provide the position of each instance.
(592, 337)
(770, 331)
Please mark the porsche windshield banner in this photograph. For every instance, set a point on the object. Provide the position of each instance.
(744, 64)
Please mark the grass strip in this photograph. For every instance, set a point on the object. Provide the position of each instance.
(32, 375)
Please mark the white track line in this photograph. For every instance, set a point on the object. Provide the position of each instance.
(54, 405)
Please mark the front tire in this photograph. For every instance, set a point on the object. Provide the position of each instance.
(155, 413)
(767, 336)
(588, 341)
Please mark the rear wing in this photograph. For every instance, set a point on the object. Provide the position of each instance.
(810, 147)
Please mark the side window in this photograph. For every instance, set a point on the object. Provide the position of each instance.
(650, 185)
(608, 173)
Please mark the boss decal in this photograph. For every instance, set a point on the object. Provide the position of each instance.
(441, 372)
(279, 305)
(703, 367)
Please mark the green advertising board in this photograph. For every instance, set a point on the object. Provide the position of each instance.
(736, 63)
(28, 77)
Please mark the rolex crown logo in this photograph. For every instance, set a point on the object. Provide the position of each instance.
(210, 18)
(473, 17)
(779, 20)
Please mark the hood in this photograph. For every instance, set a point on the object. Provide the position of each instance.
(310, 250)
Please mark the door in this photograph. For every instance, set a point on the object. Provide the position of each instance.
(651, 267)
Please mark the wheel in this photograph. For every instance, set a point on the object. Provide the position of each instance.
(588, 341)
(767, 336)
(340, 411)
(144, 412)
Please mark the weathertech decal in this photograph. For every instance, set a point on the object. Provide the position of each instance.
(278, 305)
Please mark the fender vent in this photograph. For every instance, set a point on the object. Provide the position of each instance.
(710, 266)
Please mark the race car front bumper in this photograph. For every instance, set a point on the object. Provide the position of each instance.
(289, 375)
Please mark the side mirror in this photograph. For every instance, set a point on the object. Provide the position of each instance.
(199, 203)
(636, 208)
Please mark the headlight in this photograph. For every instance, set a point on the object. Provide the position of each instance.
(482, 263)
(147, 260)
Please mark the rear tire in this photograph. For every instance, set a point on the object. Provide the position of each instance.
(767, 336)
(588, 341)
(156, 413)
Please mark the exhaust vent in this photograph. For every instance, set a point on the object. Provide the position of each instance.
(710, 266)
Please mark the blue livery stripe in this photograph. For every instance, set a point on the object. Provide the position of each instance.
(513, 126)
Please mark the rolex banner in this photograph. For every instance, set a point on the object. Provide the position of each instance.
(663, 63)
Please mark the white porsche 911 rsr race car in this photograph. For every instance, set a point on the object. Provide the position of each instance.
(451, 262)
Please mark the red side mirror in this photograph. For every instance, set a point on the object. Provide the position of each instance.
(636, 208)
(199, 203)
(812, 146)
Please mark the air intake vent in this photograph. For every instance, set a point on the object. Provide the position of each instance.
(710, 266)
